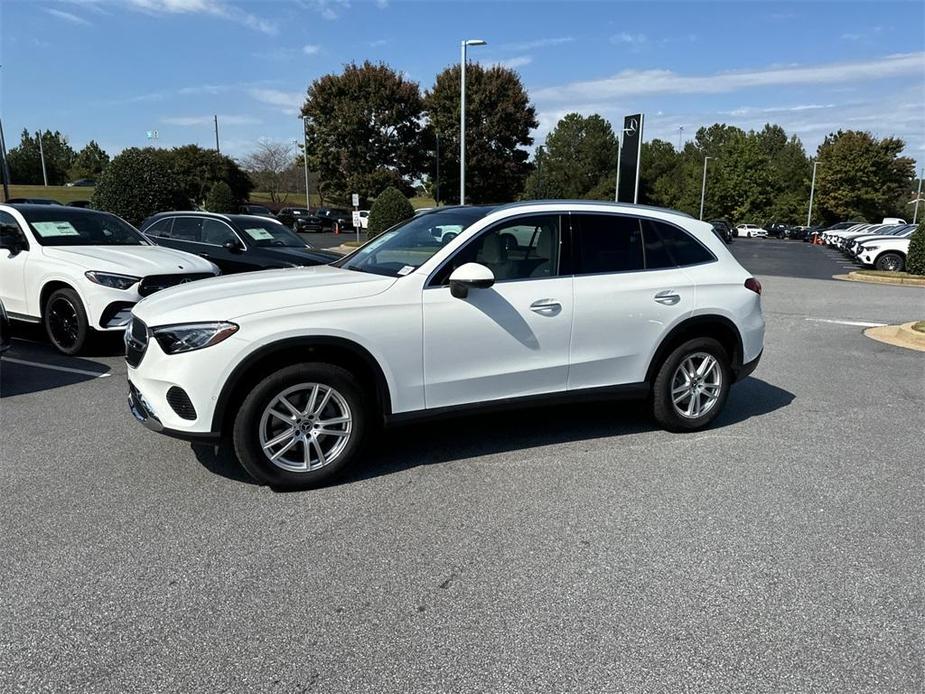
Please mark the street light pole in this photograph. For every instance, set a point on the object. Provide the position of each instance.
(4, 169)
(703, 185)
(42, 155)
(812, 192)
(218, 151)
(464, 45)
(680, 133)
(305, 159)
(918, 196)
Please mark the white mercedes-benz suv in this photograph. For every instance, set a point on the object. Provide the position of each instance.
(530, 301)
(78, 270)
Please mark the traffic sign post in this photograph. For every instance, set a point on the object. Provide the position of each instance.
(356, 213)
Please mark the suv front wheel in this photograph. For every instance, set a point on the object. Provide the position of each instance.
(301, 426)
(692, 385)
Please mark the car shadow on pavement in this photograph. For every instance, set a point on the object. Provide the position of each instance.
(468, 436)
(100, 344)
(21, 374)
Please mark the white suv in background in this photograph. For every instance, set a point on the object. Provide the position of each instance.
(536, 300)
(78, 270)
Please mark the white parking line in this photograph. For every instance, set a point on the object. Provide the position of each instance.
(68, 369)
(860, 324)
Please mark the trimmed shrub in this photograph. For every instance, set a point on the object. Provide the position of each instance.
(220, 199)
(137, 184)
(390, 208)
(915, 262)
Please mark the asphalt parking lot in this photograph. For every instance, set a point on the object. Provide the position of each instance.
(565, 549)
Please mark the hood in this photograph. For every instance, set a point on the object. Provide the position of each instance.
(298, 255)
(233, 296)
(140, 261)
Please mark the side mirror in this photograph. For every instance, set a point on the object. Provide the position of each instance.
(232, 245)
(470, 276)
(11, 241)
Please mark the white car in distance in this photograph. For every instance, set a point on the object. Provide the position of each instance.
(751, 231)
(77, 271)
(529, 301)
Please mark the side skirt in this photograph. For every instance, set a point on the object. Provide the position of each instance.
(23, 317)
(630, 391)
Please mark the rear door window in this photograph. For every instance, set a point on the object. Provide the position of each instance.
(607, 243)
(187, 229)
(669, 246)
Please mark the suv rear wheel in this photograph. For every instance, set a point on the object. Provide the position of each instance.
(301, 426)
(692, 385)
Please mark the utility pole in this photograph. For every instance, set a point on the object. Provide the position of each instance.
(703, 185)
(216, 135)
(42, 155)
(305, 159)
(680, 133)
(812, 192)
(915, 213)
(462, 114)
(4, 169)
(437, 182)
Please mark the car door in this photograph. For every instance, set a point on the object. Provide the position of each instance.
(13, 265)
(507, 340)
(628, 291)
(183, 234)
(213, 235)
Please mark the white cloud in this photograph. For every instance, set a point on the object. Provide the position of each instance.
(515, 62)
(378, 43)
(214, 8)
(647, 82)
(537, 43)
(328, 9)
(311, 49)
(288, 102)
(632, 39)
(67, 16)
(190, 121)
(382, 4)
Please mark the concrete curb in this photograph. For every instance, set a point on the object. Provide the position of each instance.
(875, 279)
(898, 336)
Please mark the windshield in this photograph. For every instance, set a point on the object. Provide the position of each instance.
(63, 226)
(404, 248)
(265, 233)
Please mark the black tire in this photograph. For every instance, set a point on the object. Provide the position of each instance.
(890, 262)
(65, 321)
(663, 409)
(247, 423)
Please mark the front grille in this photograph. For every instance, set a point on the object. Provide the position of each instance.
(136, 342)
(155, 283)
(180, 403)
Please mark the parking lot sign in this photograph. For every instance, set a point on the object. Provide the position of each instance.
(356, 219)
(356, 199)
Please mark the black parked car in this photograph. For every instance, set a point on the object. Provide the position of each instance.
(777, 230)
(234, 242)
(258, 210)
(325, 218)
(293, 217)
(4, 329)
(724, 230)
(32, 201)
(83, 204)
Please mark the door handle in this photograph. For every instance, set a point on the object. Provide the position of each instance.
(546, 306)
(668, 297)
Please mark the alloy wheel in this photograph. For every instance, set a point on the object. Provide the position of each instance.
(306, 427)
(63, 322)
(696, 385)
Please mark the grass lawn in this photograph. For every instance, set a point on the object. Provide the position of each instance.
(298, 199)
(920, 326)
(59, 193)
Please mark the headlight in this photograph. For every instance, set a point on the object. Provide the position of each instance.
(864, 249)
(188, 337)
(112, 280)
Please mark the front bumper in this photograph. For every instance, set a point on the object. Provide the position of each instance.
(143, 412)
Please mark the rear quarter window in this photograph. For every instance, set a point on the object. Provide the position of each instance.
(670, 246)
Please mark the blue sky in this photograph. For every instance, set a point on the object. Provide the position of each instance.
(110, 70)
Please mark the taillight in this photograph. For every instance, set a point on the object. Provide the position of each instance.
(754, 285)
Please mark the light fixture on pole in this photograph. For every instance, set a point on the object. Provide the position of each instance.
(305, 158)
(703, 185)
(464, 45)
(812, 192)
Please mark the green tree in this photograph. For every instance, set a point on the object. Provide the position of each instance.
(861, 176)
(221, 199)
(659, 174)
(89, 162)
(198, 169)
(915, 261)
(138, 183)
(390, 208)
(580, 153)
(364, 130)
(499, 118)
(25, 160)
